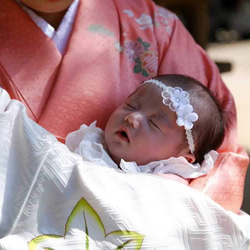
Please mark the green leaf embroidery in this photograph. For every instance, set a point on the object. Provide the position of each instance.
(137, 68)
(91, 220)
(136, 237)
(146, 45)
(84, 206)
(145, 73)
(137, 60)
(139, 40)
(41, 238)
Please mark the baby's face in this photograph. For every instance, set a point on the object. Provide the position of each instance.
(143, 129)
(48, 6)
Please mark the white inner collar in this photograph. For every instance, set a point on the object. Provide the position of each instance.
(61, 35)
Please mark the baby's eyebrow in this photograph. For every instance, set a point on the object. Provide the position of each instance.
(163, 117)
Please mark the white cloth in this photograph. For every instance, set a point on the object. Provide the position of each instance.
(51, 199)
(61, 35)
(89, 143)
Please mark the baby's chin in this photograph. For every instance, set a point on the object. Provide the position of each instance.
(115, 158)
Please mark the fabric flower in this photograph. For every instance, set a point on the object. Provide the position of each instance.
(186, 116)
(175, 98)
(133, 49)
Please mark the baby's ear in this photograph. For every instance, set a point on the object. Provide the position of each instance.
(189, 157)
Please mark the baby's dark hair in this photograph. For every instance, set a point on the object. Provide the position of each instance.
(209, 131)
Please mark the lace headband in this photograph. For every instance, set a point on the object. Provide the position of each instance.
(178, 101)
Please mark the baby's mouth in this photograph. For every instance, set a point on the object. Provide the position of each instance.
(123, 135)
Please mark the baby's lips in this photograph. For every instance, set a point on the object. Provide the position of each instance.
(123, 133)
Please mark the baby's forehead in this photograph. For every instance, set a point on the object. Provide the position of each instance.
(149, 96)
(145, 90)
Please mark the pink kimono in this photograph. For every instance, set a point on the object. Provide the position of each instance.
(114, 45)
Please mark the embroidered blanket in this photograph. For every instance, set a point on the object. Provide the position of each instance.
(51, 199)
(139, 40)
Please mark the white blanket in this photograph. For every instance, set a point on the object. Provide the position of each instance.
(51, 199)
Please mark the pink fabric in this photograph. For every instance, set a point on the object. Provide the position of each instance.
(114, 45)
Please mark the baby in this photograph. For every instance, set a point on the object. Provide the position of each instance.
(169, 124)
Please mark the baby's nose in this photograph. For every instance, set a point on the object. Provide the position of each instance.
(134, 120)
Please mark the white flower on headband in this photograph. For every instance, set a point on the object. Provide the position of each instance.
(186, 116)
(175, 97)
